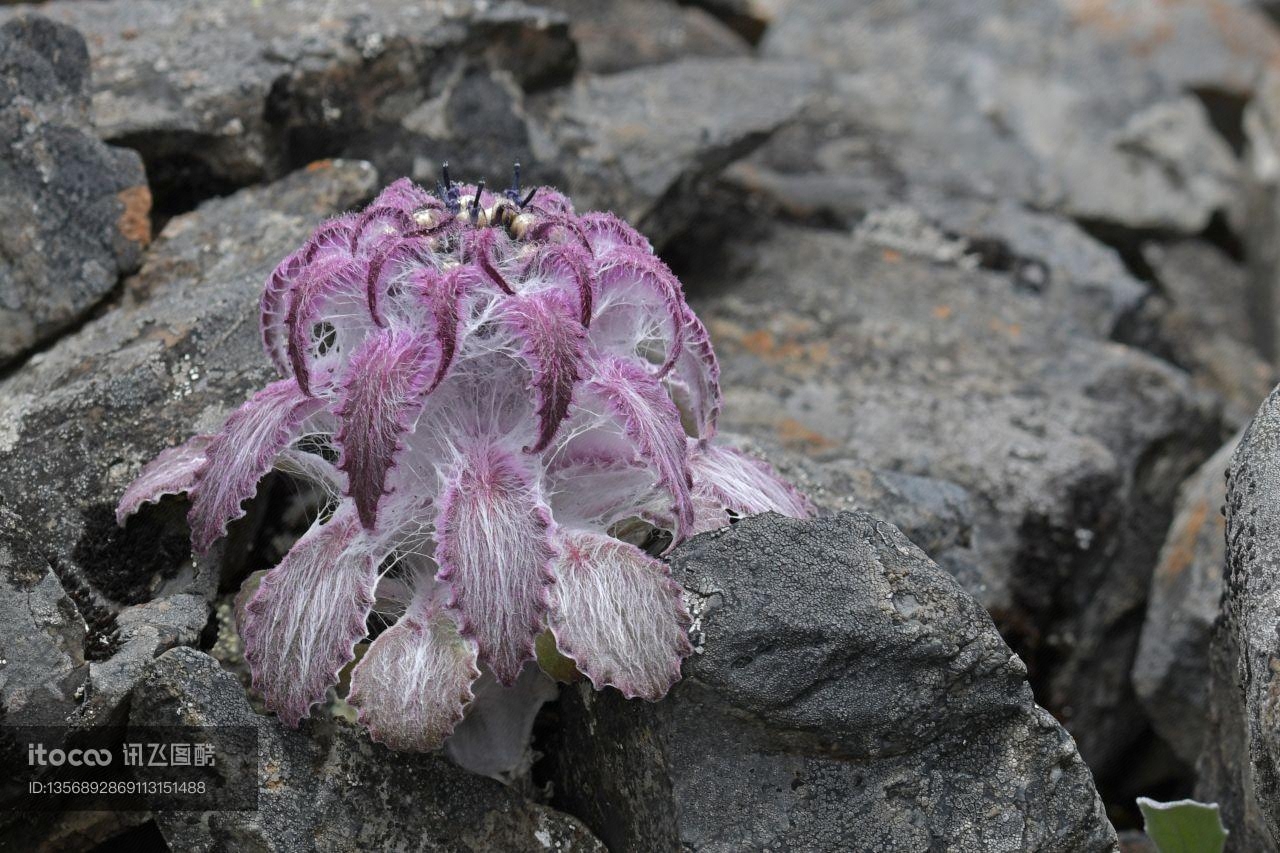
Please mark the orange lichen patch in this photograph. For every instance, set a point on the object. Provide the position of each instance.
(1145, 30)
(1183, 549)
(798, 436)
(1244, 31)
(135, 220)
(1012, 330)
(941, 312)
(891, 256)
(274, 781)
(1149, 26)
(320, 166)
(764, 344)
(760, 342)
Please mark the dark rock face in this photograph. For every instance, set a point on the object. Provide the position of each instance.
(41, 633)
(329, 788)
(216, 95)
(78, 209)
(893, 349)
(1171, 671)
(1240, 766)
(845, 694)
(174, 357)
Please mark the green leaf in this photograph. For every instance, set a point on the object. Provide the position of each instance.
(1184, 826)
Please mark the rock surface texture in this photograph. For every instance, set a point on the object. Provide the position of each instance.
(1171, 671)
(846, 694)
(1240, 766)
(77, 211)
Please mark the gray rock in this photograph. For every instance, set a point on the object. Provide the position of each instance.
(1078, 109)
(1261, 213)
(1071, 447)
(79, 209)
(42, 666)
(641, 142)
(145, 631)
(749, 18)
(179, 351)
(329, 788)
(1171, 671)
(1205, 315)
(845, 694)
(618, 36)
(216, 95)
(936, 515)
(1239, 767)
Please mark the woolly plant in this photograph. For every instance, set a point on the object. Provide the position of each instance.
(504, 401)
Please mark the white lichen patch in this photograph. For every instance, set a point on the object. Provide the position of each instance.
(904, 229)
(11, 420)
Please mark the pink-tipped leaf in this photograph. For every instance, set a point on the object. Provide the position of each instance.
(172, 472)
(301, 626)
(493, 544)
(382, 394)
(414, 682)
(617, 612)
(239, 455)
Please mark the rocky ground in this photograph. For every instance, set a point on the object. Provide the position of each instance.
(995, 282)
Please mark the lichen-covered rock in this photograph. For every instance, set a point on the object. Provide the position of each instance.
(1240, 765)
(217, 94)
(846, 695)
(1071, 447)
(178, 353)
(1171, 671)
(330, 789)
(78, 210)
(41, 633)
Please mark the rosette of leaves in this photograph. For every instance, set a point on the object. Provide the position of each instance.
(504, 400)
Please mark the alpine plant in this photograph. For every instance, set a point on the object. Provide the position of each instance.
(505, 400)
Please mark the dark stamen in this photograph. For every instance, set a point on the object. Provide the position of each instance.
(528, 198)
(513, 193)
(475, 202)
(447, 191)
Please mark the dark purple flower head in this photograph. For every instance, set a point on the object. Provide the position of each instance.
(498, 393)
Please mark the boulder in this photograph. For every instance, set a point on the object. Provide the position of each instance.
(1171, 671)
(845, 694)
(42, 635)
(79, 209)
(329, 788)
(1240, 765)
(892, 348)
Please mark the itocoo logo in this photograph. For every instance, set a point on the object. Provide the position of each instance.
(37, 755)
